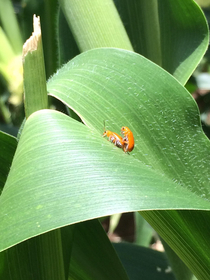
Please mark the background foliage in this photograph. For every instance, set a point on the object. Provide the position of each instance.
(64, 173)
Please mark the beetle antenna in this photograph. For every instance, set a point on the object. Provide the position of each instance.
(104, 125)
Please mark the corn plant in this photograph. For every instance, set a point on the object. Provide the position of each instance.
(126, 63)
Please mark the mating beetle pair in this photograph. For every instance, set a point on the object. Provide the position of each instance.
(126, 142)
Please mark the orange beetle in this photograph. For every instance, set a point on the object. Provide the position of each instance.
(114, 138)
(128, 139)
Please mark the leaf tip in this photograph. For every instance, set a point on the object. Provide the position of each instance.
(32, 43)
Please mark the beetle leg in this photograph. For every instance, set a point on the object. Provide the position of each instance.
(125, 148)
(111, 139)
(118, 144)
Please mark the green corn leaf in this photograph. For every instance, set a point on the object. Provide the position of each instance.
(65, 172)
